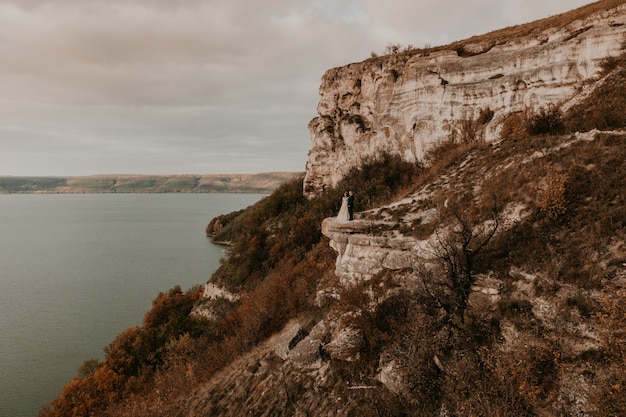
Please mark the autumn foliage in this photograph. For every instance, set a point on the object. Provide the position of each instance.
(276, 258)
(130, 358)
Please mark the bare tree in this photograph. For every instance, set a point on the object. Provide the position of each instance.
(449, 282)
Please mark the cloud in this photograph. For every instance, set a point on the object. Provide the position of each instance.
(196, 86)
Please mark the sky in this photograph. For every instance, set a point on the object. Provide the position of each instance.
(198, 86)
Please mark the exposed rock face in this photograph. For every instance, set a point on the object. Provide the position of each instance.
(289, 337)
(213, 295)
(212, 292)
(404, 103)
(382, 240)
(361, 255)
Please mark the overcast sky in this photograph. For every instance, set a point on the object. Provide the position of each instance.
(198, 86)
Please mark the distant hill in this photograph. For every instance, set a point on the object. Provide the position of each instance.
(187, 183)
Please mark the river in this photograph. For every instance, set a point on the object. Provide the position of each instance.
(77, 269)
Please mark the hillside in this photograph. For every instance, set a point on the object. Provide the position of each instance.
(485, 278)
(420, 319)
(209, 183)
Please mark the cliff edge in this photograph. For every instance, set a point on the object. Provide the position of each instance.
(406, 102)
(490, 281)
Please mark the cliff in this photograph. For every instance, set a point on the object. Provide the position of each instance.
(490, 281)
(497, 284)
(534, 328)
(407, 102)
(492, 285)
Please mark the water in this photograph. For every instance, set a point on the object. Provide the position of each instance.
(75, 270)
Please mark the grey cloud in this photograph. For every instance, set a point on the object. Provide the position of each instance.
(437, 22)
(195, 86)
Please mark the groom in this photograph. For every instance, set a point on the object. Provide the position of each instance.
(350, 204)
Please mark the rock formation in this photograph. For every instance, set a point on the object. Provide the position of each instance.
(494, 284)
(403, 103)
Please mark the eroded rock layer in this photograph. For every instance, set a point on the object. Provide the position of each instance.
(403, 103)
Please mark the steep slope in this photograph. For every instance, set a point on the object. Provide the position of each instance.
(423, 319)
(406, 102)
(491, 281)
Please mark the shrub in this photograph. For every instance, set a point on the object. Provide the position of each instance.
(551, 201)
(609, 63)
(485, 116)
(89, 367)
(456, 251)
(546, 121)
(609, 398)
(378, 179)
(129, 359)
(466, 131)
(515, 308)
(444, 154)
(605, 107)
(514, 126)
(441, 151)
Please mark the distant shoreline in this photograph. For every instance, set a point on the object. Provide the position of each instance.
(137, 183)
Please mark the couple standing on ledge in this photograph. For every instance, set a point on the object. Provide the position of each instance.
(347, 203)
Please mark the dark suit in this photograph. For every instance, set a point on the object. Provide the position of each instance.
(350, 205)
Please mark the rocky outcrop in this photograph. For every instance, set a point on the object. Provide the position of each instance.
(213, 300)
(403, 103)
(362, 252)
(385, 242)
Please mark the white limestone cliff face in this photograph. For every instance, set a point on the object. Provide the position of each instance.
(361, 254)
(404, 103)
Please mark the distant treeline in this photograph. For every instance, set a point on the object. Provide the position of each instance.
(210, 183)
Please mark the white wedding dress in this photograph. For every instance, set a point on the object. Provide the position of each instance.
(343, 215)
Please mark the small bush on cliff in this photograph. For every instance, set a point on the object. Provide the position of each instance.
(377, 180)
(610, 399)
(445, 154)
(465, 135)
(456, 252)
(467, 131)
(605, 107)
(513, 126)
(545, 121)
(552, 200)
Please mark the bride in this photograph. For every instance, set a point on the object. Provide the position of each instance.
(344, 215)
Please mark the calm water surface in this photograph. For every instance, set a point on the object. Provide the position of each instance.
(75, 270)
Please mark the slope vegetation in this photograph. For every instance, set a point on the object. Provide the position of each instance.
(518, 307)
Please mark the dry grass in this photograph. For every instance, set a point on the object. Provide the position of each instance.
(605, 108)
(505, 35)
